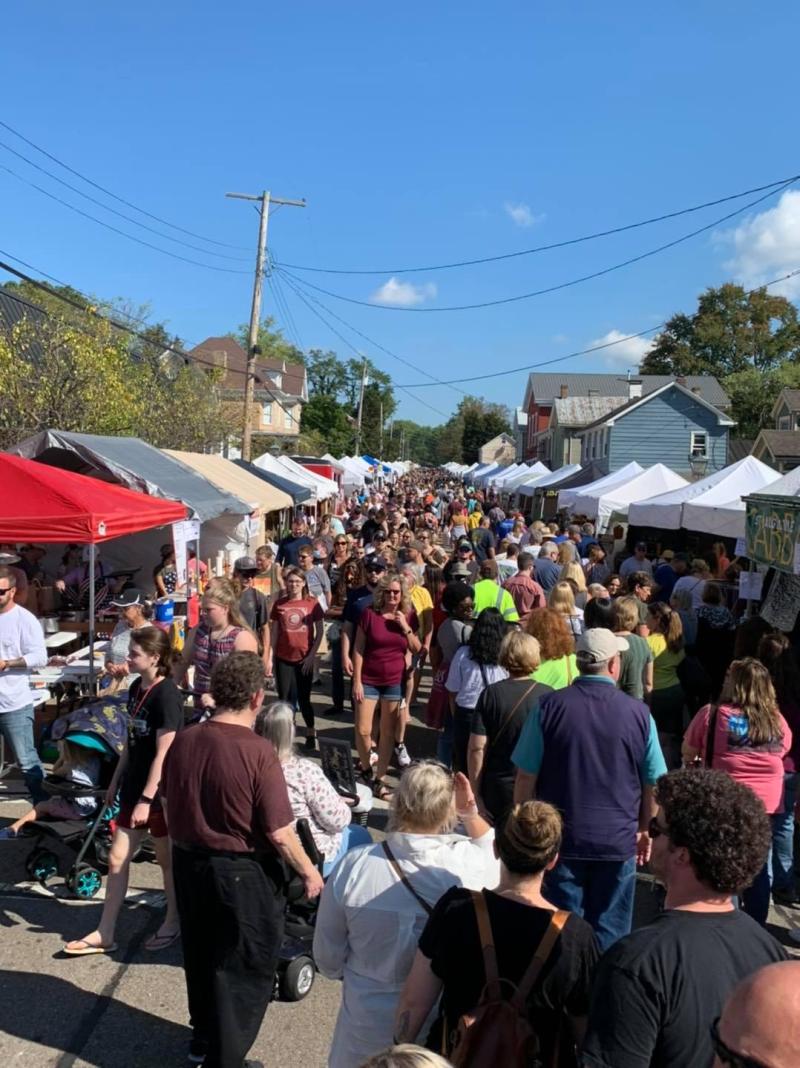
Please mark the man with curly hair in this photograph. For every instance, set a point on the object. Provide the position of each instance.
(658, 991)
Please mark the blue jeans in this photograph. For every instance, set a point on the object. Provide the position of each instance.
(783, 838)
(755, 899)
(353, 835)
(17, 730)
(601, 891)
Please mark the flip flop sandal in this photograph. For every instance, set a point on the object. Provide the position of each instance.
(89, 949)
(381, 791)
(158, 942)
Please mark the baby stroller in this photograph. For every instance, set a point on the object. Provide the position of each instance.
(100, 727)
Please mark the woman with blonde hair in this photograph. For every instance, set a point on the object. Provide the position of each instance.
(406, 1055)
(385, 640)
(376, 902)
(222, 630)
(667, 698)
(449, 965)
(497, 723)
(558, 665)
(573, 574)
(566, 554)
(562, 600)
(747, 737)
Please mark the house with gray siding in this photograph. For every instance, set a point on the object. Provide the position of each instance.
(672, 425)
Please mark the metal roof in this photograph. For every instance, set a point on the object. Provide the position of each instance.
(546, 386)
(578, 411)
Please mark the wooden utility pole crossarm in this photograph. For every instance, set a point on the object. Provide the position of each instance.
(265, 199)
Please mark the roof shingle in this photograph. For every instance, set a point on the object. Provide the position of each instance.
(227, 353)
(546, 386)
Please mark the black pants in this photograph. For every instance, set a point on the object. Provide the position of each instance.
(294, 686)
(337, 674)
(462, 724)
(232, 914)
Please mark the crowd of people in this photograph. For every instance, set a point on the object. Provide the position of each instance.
(594, 712)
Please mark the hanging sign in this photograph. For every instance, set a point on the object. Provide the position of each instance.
(772, 532)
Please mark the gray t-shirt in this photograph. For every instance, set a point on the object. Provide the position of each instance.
(451, 635)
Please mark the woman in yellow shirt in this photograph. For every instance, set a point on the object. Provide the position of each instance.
(667, 697)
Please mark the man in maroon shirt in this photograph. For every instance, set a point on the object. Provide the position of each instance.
(525, 591)
(231, 824)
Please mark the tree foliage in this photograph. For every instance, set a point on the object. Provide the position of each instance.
(270, 340)
(749, 341)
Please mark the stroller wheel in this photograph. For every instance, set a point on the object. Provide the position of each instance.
(84, 881)
(41, 865)
(298, 979)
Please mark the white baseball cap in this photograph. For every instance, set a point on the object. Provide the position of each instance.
(599, 645)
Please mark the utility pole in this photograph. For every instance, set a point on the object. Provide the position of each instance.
(380, 448)
(361, 406)
(265, 199)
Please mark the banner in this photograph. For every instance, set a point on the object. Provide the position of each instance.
(772, 532)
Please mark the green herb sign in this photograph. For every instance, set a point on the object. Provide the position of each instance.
(772, 532)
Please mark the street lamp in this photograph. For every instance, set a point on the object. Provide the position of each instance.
(698, 462)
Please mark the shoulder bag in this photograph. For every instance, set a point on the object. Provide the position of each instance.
(401, 875)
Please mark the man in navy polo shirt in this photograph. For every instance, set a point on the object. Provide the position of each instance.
(593, 752)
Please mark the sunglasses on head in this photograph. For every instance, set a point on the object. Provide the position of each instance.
(729, 1057)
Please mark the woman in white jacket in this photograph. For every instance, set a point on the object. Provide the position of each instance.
(379, 897)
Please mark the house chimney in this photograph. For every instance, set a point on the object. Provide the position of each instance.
(634, 388)
(697, 390)
(564, 391)
(681, 380)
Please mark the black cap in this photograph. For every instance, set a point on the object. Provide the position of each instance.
(127, 598)
(375, 563)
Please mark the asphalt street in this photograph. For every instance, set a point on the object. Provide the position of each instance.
(128, 1009)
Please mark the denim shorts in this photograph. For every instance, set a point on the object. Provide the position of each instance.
(391, 692)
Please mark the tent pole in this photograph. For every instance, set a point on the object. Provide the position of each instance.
(748, 612)
(92, 563)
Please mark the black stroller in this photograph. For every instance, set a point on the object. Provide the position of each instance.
(99, 726)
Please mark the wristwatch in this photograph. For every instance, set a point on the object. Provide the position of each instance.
(145, 800)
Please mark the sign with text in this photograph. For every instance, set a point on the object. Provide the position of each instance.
(771, 533)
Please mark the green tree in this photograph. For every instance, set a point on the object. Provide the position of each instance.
(270, 340)
(482, 421)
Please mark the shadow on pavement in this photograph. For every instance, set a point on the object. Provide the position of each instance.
(59, 1015)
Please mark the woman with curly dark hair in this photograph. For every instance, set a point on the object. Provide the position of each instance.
(474, 667)
(747, 737)
(556, 646)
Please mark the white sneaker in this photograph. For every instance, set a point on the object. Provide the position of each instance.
(401, 756)
(373, 758)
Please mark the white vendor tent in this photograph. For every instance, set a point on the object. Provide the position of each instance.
(721, 510)
(502, 477)
(566, 498)
(666, 512)
(322, 488)
(610, 501)
(527, 487)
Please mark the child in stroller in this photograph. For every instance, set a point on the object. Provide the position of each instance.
(76, 764)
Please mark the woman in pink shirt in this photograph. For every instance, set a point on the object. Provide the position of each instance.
(749, 740)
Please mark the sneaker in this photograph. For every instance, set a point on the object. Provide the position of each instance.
(198, 1048)
(311, 743)
(373, 758)
(401, 757)
(785, 898)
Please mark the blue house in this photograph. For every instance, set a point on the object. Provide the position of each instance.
(672, 425)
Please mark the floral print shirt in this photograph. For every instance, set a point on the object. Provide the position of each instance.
(312, 797)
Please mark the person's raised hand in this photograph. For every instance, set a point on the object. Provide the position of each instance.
(465, 798)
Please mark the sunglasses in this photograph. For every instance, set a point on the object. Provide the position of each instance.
(342, 542)
(729, 1056)
(654, 828)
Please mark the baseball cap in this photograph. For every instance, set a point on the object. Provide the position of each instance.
(641, 545)
(375, 563)
(127, 598)
(245, 563)
(8, 558)
(459, 571)
(465, 546)
(667, 554)
(598, 645)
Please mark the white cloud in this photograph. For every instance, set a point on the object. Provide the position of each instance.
(627, 354)
(521, 214)
(767, 246)
(559, 339)
(403, 294)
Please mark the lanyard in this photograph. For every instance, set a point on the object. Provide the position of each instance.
(144, 697)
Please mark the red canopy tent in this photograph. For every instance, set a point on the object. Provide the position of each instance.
(42, 503)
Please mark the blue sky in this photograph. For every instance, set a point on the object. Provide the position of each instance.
(418, 134)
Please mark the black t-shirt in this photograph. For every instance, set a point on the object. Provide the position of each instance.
(369, 530)
(658, 991)
(452, 944)
(493, 718)
(482, 543)
(161, 710)
(255, 609)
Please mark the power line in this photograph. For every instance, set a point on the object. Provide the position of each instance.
(296, 282)
(121, 200)
(119, 214)
(543, 248)
(116, 230)
(554, 288)
(353, 349)
(593, 348)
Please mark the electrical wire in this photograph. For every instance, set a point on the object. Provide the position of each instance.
(360, 355)
(119, 214)
(296, 282)
(292, 324)
(544, 248)
(121, 200)
(116, 230)
(593, 348)
(554, 288)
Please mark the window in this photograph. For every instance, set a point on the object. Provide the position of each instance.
(266, 413)
(784, 422)
(288, 420)
(699, 443)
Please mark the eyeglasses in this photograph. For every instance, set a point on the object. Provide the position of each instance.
(342, 541)
(394, 593)
(729, 1056)
(654, 828)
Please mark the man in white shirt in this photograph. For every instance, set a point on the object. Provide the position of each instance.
(22, 649)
